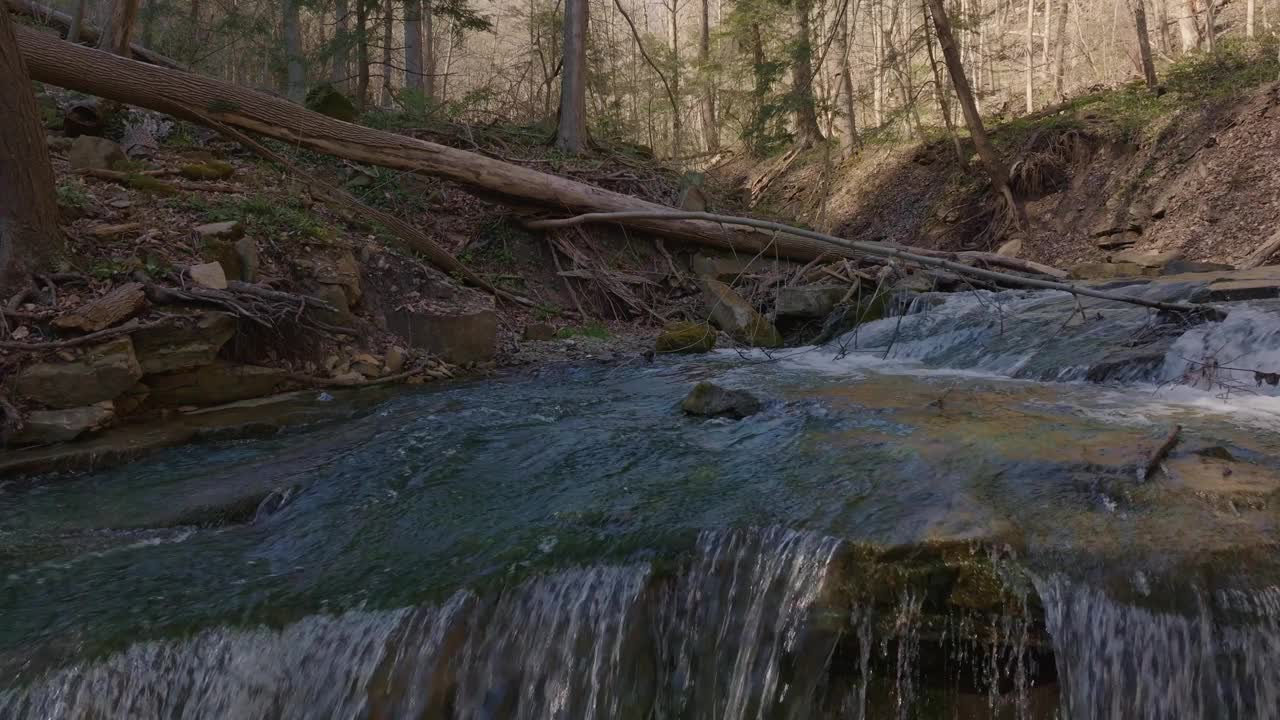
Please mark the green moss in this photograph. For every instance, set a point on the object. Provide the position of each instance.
(686, 337)
(265, 216)
(213, 170)
(148, 184)
(596, 331)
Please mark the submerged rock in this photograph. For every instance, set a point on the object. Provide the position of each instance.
(711, 400)
(686, 337)
(733, 314)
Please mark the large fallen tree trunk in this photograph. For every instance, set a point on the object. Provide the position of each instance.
(193, 97)
(53, 17)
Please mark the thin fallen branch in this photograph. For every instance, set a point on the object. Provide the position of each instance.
(1160, 454)
(1262, 254)
(882, 250)
(131, 326)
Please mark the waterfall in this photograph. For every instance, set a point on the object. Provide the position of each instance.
(1122, 661)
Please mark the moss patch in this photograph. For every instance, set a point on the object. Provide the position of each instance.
(686, 337)
(213, 170)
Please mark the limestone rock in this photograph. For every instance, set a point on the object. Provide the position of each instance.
(55, 426)
(213, 384)
(1146, 259)
(394, 359)
(229, 230)
(686, 337)
(1012, 249)
(367, 365)
(334, 296)
(813, 301)
(539, 332)
(247, 251)
(120, 304)
(344, 271)
(457, 336)
(209, 275)
(711, 400)
(731, 313)
(95, 153)
(1107, 271)
(102, 373)
(183, 342)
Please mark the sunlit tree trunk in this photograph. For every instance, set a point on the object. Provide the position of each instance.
(429, 49)
(362, 53)
(296, 82)
(849, 118)
(1210, 25)
(1059, 64)
(1030, 53)
(677, 118)
(1162, 19)
(29, 235)
(1250, 10)
(571, 131)
(1188, 29)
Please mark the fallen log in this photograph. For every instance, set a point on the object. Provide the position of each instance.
(75, 67)
(1260, 256)
(888, 251)
(90, 34)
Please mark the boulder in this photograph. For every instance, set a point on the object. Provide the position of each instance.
(394, 359)
(814, 301)
(1146, 259)
(1012, 249)
(209, 275)
(731, 313)
(183, 342)
(213, 384)
(54, 426)
(334, 296)
(229, 230)
(343, 271)
(539, 332)
(366, 364)
(101, 373)
(711, 400)
(686, 337)
(458, 336)
(1107, 271)
(1119, 240)
(95, 153)
(247, 251)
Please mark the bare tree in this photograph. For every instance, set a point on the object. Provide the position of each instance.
(710, 131)
(413, 45)
(571, 130)
(362, 53)
(29, 233)
(1059, 59)
(807, 131)
(1030, 53)
(296, 81)
(1144, 43)
(341, 75)
(848, 112)
(388, 15)
(1250, 10)
(117, 30)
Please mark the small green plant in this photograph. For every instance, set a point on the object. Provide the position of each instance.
(107, 269)
(71, 194)
(546, 312)
(266, 216)
(591, 330)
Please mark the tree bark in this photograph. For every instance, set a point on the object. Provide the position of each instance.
(87, 33)
(942, 92)
(571, 131)
(189, 96)
(1188, 29)
(1144, 43)
(710, 131)
(341, 71)
(1250, 10)
(807, 131)
(362, 53)
(849, 118)
(1162, 19)
(384, 97)
(991, 161)
(77, 22)
(296, 76)
(1211, 25)
(413, 45)
(119, 27)
(29, 233)
(429, 49)
(1059, 60)
(1030, 53)
(677, 118)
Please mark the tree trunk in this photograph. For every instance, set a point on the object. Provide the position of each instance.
(29, 233)
(88, 33)
(77, 21)
(845, 91)
(296, 79)
(941, 92)
(1144, 43)
(1211, 25)
(677, 118)
(1250, 9)
(384, 97)
(807, 131)
(413, 45)
(1059, 60)
(341, 74)
(1162, 19)
(1030, 53)
(190, 96)
(710, 131)
(119, 27)
(362, 53)
(1188, 29)
(571, 130)
(995, 168)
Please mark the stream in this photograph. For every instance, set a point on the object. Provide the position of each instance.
(938, 515)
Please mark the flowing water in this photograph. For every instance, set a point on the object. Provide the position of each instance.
(938, 516)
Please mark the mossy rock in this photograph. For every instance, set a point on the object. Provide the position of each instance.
(328, 100)
(686, 337)
(212, 170)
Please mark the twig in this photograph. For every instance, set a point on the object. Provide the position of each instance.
(1160, 454)
(131, 326)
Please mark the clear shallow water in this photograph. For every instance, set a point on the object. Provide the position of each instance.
(565, 544)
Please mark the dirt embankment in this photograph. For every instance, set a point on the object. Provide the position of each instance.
(1192, 171)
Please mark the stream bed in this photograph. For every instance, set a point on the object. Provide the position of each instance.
(941, 515)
